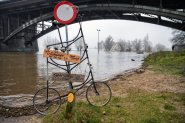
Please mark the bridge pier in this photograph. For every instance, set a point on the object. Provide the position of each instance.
(7, 25)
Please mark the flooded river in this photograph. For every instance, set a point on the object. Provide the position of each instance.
(21, 74)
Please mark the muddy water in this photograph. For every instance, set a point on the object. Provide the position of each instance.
(18, 73)
(18, 77)
(21, 74)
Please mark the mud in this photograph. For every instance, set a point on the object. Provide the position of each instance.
(16, 111)
(137, 80)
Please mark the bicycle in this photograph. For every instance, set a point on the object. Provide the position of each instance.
(48, 100)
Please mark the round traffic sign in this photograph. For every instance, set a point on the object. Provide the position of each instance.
(65, 12)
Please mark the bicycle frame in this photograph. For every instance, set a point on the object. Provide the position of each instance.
(68, 67)
(71, 66)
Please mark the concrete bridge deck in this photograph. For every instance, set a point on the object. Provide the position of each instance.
(19, 19)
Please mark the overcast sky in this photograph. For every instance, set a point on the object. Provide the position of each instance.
(118, 29)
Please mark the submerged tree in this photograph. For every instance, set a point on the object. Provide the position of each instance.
(49, 41)
(108, 43)
(129, 46)
(137, 45)
(122, 44)
(79, 44)
(178, 37)
(101, 45)
(147, 44)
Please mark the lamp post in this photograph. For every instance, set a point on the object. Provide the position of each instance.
(98, 40)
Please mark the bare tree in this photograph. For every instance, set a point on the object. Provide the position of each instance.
(122, 44)
(56, 41)
(178, 37)
(150, 48)
(108, 43)
(129, 46)
(50, 41)
(79, 44)
(137, 45)
(46, 42)
(147, 44)
(160, 47)
(101, 45)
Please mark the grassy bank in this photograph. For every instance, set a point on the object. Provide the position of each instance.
(135, 108)
(167, 62)
(149, 97)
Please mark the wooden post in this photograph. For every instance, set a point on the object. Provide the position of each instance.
(70, 104)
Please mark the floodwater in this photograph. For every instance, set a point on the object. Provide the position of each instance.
(21, 74)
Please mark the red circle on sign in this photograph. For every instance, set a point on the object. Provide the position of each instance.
(65, 3)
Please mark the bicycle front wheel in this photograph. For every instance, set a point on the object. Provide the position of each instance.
(98, 94)
(46, 101)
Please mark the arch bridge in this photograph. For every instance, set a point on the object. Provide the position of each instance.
(22, 22)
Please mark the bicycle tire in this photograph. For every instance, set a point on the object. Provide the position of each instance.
(44, 105)
(98, 94)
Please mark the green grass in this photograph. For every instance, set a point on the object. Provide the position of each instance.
(167, 62)
(135, 108)
(169, 107)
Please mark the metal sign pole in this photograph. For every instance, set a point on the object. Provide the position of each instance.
(67, 48)
(71, 98)
(67, 10)
(66, 29)
(68, 64)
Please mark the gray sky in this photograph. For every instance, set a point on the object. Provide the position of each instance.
(118, 29)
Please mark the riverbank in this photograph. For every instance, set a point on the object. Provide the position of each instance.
(141, 96)
(133, 93)
(28, 109)
(146, 97)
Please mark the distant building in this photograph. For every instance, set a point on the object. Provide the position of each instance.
(178, 47)
(116, 47)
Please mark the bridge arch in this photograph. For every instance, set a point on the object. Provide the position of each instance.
(164, 17)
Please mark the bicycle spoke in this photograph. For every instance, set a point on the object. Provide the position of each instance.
(98, 94)
(47, 105)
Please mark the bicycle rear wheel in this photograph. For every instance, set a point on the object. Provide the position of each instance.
(98, 94)
(46, 103)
